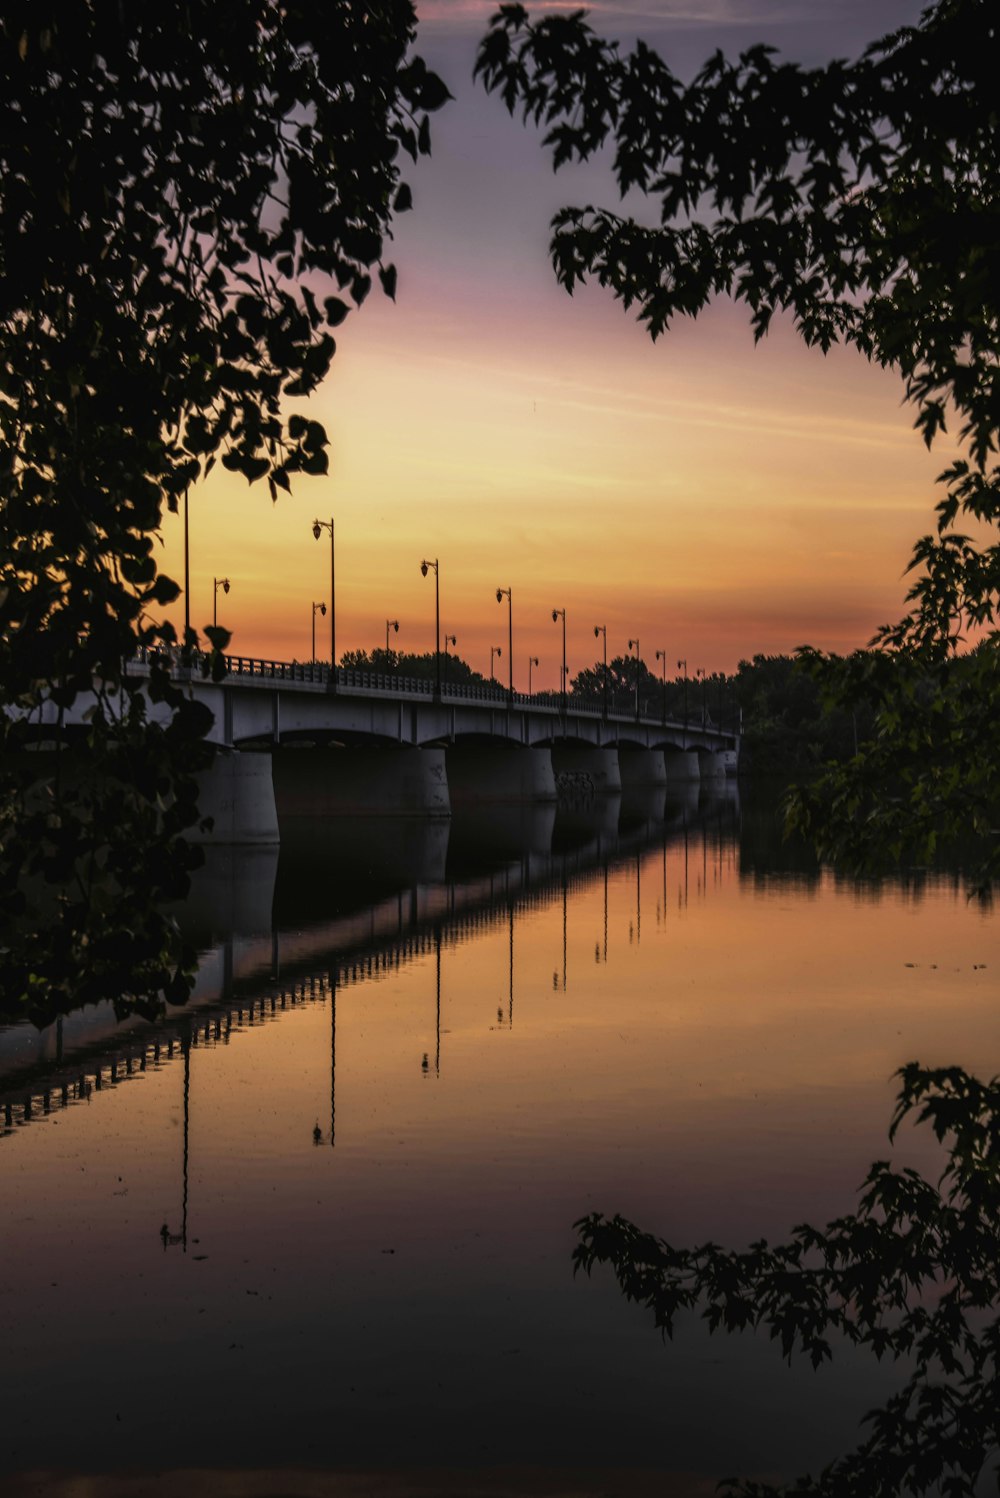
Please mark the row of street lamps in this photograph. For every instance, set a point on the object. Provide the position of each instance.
(426, 566)
(319, 526)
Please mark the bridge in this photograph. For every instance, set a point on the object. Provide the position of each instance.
(389, 745)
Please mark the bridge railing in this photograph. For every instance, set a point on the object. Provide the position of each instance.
(620, 706)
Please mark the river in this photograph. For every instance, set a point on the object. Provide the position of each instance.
(319, 1224)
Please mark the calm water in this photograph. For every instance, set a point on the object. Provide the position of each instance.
(323, 1220)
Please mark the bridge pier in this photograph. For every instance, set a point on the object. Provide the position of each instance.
(681, 766)
(373, 782)
(480, 774)
(237, 792)
(641, 769)
(712, 764)
(580, 767)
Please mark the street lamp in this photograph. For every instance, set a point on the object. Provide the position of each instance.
(503, 593)
(319, 526)
(558, 614)
(494, 652)
(700, 671)
(661, 655)
(318, 608)
(425, 567)
(448, 640)
(532, 661)
(389, 624)
(602, 629)
(224, 584)
(635, 643)
(684, 664)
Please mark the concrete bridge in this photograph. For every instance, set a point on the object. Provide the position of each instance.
(298, 740)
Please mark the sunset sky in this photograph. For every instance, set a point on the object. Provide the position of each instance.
(712, 498)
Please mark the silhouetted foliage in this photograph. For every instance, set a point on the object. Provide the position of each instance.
(184, 191)
(421, 667)
(911, 1275)
(862, 199)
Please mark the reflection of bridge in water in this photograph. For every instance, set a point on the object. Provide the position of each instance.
(246, 980)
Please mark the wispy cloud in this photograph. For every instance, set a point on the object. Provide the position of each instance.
(700, 13)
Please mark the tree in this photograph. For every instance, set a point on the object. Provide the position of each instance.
(184, 191)
(911, 1276)
(863, 200)
(622, 674)
(422, 667)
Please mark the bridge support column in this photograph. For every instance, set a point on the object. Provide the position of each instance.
(642, 769)
(373, 782)
(480, 774)
(579, 767)
(237, 792)
(712, 764)
(682, 766)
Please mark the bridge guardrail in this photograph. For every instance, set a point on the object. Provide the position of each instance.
(317, 673)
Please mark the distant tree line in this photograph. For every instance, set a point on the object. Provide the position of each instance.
(405, 663)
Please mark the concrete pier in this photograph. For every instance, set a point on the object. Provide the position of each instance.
(579, 767)
(712, 764)
(237, 792)
(372, 782)
(682, 766)
(481, 774)
(641, 769)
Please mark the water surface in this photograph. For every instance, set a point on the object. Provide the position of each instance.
(323, 1219)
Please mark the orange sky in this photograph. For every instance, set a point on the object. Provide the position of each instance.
(713, 498)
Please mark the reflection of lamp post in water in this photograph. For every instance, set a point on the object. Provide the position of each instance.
(333, 1057)
(598, 956)
(555, 976)
(169, 1239)
(425, 1064)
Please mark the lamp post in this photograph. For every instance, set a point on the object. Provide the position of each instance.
(425, 567)
(224, 584)
(700, 672)
(494, 652)
(635, 643)
(661, 655)
(684, 664)
(503, 593)
(318, 608)
(532, 661)
(187, 575)
(448, 640)
(389, 624)
(558, 614)
(319, 526)
(602, 629)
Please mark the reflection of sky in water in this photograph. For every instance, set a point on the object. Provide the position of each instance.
(405, 1300)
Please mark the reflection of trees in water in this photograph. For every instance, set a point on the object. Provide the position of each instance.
(911, 1276)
